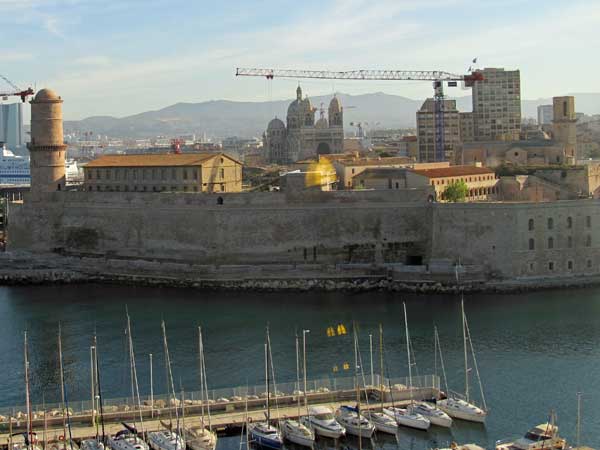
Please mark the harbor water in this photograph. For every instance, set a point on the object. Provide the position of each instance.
(535, 351)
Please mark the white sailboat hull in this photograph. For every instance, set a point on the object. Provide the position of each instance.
(383, 423)
(463, 411)
(330, 430)
(297, 433)
(407, 419)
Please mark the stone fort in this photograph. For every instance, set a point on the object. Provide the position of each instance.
(371, 227)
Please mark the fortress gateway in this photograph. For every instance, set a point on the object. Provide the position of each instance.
(400, 227)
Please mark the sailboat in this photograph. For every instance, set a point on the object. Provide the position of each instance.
(381, 420)
(129, 438)
(66, 440)
(168, 439)
(294, 430)
(202, 437)
(407, 416)
(29, 437)
(350, 417)
(461, 407)
(431, 412)
(263, 433)
(96, 443)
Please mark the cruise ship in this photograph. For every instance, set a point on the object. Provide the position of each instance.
(13, 169)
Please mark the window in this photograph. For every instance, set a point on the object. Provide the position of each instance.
(173, 174)
(98, 188)
(107, 174)
(570, 241)
(531, 225)
(588, 221)
(550, 223)
(222, 160)
(397, 185)
(185, 188)
(550, 242)
(550, 266)
(569, 222)
(531, 267)
(163, 174)
(353, 171)
(90, 174)
(588, 241)
(185, 174)
(531, 244)
(195, 188)
(194, 174)
(222, 173)
(98, 174)
(570, 265)
(589, 263)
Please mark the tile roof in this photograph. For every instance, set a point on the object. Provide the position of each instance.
(160, 160)
(453, 171)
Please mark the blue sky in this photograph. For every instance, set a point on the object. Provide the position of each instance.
(108, 57)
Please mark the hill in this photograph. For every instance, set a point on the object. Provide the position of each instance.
(222, 118)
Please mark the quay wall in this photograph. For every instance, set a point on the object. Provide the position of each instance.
(498, 240)
(259, 228)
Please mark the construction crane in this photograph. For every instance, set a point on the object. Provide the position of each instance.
(438, 78)
(17, 91)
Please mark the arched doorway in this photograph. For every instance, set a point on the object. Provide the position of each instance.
(323, 148)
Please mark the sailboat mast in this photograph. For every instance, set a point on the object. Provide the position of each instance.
(62, 381)
(201, 375)
(407, 349)
(381, 362)
(27, 400)
(99, 389)
(170, 383)
(298, 373)
(304, 366)
(204, 378)
(464, 329)
(267, 364)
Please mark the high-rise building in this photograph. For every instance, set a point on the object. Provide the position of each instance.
(545, 114)
(497, 105)
(426, 128)
(11, 125)
(564, 128)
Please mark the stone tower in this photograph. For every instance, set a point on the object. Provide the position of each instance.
(564, 126)
(336, 114)
(47, 148)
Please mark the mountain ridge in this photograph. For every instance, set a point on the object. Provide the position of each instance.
(222, 118)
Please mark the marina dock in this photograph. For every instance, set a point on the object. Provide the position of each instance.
(228, 414)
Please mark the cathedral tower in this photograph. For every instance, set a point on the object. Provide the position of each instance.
(336, 113)
(47, 148)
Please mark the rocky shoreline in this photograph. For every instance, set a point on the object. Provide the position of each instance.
(357, 283)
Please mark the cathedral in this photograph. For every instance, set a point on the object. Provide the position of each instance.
(302, 137)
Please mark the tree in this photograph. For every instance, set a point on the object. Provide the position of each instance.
(456, 192)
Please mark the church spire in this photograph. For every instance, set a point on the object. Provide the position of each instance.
(299, 93)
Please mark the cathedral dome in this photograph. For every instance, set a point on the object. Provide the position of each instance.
(322, 123)
(334, 104)
(276, 124)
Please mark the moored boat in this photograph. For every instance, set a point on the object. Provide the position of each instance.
(435, 415)
(382, 422)
(321, 420)
(407, 419)
(461, 409)
(127, 440)
(544, 436)
(297, 433)
(354, 422)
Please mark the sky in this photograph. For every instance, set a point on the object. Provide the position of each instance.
(122, 57)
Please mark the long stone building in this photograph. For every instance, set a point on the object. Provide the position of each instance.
(402, 227)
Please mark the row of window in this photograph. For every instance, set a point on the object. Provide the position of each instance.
(465, 179)
(144, 174)
(550, 242)
(552, 265)
(550, 223)
(117, 188)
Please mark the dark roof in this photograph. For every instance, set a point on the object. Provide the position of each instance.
(382, 172)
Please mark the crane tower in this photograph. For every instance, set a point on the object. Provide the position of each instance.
(438, 78)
